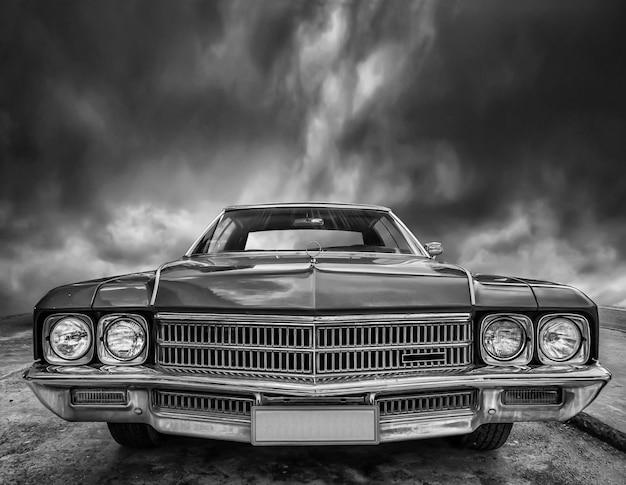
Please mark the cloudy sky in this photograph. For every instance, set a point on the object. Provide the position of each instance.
(498, 128)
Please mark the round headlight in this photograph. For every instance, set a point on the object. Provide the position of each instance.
(124, 338)
(560, 339)
(504, 339)
(70, 338)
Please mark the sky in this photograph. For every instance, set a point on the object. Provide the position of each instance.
(497, 128)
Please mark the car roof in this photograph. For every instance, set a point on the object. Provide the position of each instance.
(338, 205)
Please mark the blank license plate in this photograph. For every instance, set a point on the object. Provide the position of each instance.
(314, 425)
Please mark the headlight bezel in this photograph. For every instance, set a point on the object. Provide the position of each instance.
(581, 355)
(104, 353)
(50, 355)
(524, 355)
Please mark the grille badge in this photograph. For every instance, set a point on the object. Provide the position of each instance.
(426, 356)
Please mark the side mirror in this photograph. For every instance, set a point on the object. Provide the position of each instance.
(434, 248)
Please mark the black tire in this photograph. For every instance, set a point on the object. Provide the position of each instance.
(135, 435)
(487, 437)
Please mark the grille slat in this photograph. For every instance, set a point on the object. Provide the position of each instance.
(202, 403)
(285, 346)
(426, 403)
(99, 397)
(240, 408)
(531, 396)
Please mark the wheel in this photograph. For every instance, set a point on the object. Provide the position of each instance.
(486, 437)
(135, 435)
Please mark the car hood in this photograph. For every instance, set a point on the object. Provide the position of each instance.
(342, 282)
(296, 282)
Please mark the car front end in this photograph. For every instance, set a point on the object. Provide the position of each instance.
(312, 347)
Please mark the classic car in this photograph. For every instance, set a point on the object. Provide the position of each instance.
(314, 324)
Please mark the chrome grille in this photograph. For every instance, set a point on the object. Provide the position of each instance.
(391, 334)
(201, 403)
(253, 360)
(87, 397)
(530, 396)
(427, 403)
(236, 334)
(322, 346)
(238, 407)
(369, 360)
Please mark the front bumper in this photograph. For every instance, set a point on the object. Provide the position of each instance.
(578, 386)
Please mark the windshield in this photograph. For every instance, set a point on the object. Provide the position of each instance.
(296, 228)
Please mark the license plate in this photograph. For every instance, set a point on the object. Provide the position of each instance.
(314, 425)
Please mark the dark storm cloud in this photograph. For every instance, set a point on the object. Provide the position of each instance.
(69, 66)
(530, 98)
(124, 126)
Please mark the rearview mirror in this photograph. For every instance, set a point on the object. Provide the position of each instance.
(308, 222)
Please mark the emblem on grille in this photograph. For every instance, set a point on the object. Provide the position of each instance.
(426, 356)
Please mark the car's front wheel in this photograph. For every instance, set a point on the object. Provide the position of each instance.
(135, 435)
(486, 437)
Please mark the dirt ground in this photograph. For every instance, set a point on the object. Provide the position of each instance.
(37, 447)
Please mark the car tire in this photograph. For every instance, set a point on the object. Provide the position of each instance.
(135, 435)
(486, 437)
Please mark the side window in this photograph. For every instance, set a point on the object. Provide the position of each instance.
(391, 236)
(222, 234)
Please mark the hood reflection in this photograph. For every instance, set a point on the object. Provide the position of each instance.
(335, 282)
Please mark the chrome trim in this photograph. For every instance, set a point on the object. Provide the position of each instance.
(311, 253)
(301, 319)
(580, 385)
(551, 285)
(524, 396)
(502, 283)
(314, 351)
(582, 354)
(338, 205)
(313, 347)
(480, 377)
(157, 281)
(420, 403)
(99, 286)
(99, 397)
(410, 237)
(189, 252)
(418, 249)
(174, 401)
(157, 276)
(470, 283)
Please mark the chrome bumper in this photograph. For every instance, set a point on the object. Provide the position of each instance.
(579, 384)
